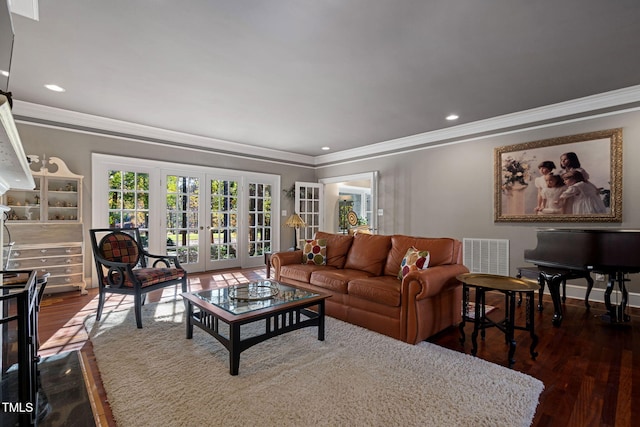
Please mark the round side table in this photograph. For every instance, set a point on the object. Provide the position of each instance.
(509, 286)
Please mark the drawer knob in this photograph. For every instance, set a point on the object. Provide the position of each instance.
(68, 261)
(16, 253)
(44, 251)
(43, 260)
(68, 250)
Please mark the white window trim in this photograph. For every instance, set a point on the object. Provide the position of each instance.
(102, 163)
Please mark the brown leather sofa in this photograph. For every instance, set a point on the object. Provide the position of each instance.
(361, 274)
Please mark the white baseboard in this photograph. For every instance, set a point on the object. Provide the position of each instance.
(597, 295)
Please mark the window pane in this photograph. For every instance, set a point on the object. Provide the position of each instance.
(128, 201)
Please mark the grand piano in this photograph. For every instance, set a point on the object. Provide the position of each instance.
(563, 253)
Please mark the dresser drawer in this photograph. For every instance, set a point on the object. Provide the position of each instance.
(42, 262)
(20, 253)
(74, 279)
(60, 270)
(53, 248)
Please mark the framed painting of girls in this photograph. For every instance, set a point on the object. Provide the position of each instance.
(575, 178)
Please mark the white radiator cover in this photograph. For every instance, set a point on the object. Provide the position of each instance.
(486, 255)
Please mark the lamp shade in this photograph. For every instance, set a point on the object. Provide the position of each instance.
(294, 221)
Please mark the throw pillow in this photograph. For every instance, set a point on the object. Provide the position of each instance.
(413, 260)
(315, 252)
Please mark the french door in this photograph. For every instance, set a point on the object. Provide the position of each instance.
(217, 221)
(183, 218)
(309, 205)
(222, 225)
(210, 218)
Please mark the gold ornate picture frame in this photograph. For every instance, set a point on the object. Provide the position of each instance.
(575, 178)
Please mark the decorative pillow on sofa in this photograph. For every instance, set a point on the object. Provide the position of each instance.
(413, 260)
(315, 252)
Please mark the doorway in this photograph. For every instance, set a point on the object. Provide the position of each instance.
(356, 193)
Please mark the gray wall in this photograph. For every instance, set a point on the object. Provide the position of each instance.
(449, 190)
(76, 149)
(440, 191)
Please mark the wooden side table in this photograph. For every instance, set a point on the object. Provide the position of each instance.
(509, 286)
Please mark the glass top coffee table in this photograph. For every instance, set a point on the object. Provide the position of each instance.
(284, 308)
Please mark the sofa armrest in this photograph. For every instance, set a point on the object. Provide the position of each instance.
(285, 258)
(423, 284)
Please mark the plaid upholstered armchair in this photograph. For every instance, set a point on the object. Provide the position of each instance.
(122, 267)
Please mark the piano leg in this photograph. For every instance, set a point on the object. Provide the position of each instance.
(589, 287)
(616, 314)
(554, 280)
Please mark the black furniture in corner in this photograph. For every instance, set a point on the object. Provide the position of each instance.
(125, 267)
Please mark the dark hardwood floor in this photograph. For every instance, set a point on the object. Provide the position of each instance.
(586, 365)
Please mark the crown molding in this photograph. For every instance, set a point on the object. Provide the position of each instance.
(551, 112)
(56, 117)
(71, 120)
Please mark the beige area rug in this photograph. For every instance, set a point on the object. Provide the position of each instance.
(155, 376)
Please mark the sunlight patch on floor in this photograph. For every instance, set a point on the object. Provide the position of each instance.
(73, 334)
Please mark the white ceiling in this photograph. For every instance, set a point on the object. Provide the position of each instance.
(297, 75)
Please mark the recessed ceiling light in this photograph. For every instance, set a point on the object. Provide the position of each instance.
(326, 148)
(451, 117)
(4, 73)
(55, 88)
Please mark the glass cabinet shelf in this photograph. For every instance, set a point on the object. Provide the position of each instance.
(56, 198)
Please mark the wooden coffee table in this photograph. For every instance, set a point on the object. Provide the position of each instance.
(284, 308)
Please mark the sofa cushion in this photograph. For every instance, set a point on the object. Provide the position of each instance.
(315, 252)
(413, 260)
(301, 272)
(382, 289)
(336, 280)
(369, 253)
(442, 250)
(337, 247)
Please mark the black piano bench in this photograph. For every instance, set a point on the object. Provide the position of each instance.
(555, 277)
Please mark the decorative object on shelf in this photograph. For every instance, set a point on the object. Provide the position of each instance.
(56, 197)
(577, 178)
(295, 222)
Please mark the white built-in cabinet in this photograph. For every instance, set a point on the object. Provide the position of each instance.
(46, 225)
(57, 196)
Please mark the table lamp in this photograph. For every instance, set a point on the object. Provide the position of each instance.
(295, 222)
